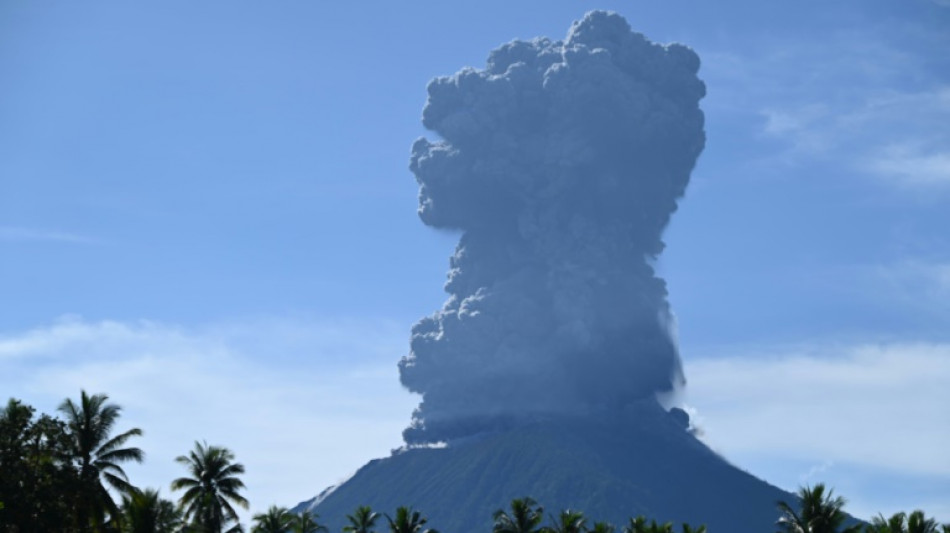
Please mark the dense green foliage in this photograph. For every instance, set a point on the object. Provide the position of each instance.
(146, 512)
(39, 484)
(63, 475)
(66, 476)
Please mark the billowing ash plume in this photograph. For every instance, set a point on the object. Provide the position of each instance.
(561, 163)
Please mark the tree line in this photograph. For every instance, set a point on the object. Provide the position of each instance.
(56, 475)
(59, 474)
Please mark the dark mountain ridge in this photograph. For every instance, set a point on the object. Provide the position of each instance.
(612, 466)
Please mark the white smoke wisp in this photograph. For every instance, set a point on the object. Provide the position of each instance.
(561, 163)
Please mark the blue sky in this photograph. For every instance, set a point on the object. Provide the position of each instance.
(206, 211)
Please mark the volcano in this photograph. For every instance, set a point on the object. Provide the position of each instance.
(612, 468)
(560, 163)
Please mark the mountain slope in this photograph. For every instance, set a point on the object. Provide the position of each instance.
(611, 468)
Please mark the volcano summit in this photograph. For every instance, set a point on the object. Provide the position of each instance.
(560, 163)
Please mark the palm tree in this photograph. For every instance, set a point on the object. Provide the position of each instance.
(916, 522)
(640, 525)
(602, 527)
(211, 489)
(146, 512)
(636, 525)
(275, 520)
(306, 522)
(821, 512)
(362, 521)
(526, 516)
(895, 524)
(569, 522)
(690, 529)
(98, 456)
(408, 521)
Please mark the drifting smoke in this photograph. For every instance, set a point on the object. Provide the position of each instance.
(561, 163)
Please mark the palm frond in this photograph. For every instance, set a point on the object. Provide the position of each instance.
(121, 484)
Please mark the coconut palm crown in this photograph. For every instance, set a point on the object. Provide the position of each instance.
(306, 522)
(408, 521)
(147, 512)
(820, 512)
(98, 455)
(568, 522)
(361, 521)
(915, 522)
(526, 517)
(213, 487)
(275, 520)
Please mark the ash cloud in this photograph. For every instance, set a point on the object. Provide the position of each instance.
(560, 163)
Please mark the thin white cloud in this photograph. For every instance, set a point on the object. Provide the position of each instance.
(298, 410)
(851, 100)
(917, 285)
(882, 407)
(783, 122)
(19, 234)
(898, 137)
(931, 277)
(303, 403)
(912, 166)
